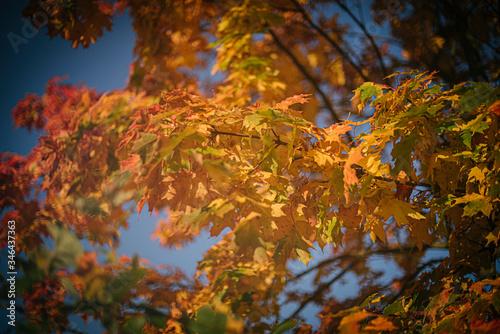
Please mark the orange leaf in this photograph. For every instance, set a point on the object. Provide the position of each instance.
(302, 98)
(380, 324)
(495, 108)
(349, 324)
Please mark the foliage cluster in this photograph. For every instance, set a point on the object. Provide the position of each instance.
(416, 170)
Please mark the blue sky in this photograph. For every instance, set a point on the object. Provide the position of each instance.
(103, 66)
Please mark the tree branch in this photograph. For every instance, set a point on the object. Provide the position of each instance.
(358, 169)
(322, 288)
(331, 41)
(308, 76)
(408, 250)
(356, 259)
(409, 278)
(277, 141)
(367, 34)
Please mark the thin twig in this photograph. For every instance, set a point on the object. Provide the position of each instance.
(383, 251)
(277, 141)
(308, 76)
(331, 41)
(322, 288)
(367, 34)
(409, 278)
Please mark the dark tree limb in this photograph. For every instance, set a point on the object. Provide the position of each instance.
(307, 75)
(367, 34)
(357, 259)
(383, 251)
(336, 46)
(322, 289)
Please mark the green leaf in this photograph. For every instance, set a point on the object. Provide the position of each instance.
(368, 300)
(284, 326)
(478, 94)
(474, 204)
(255, 122)
(470, 128)
(155, 317)
(401, 153)
(366, 91)
(146, 139)
(253, 62)
(447, 325)
(414, 72)
(333, 232)
(125, 281)
(395, 307)
(337, 177)
(208, 322)
(168, 144)
(67, 247)
(69, 287)
(134, 325)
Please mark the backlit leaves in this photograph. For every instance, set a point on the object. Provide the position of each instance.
(269, 183)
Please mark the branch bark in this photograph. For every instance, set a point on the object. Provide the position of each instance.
(337, 47)
(322, 288)
(367, 34)
(308, 76)
(383, 251)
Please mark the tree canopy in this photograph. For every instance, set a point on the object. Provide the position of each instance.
(367, 130)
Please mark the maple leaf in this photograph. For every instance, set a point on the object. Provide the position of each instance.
(277, 210)
(475, 203)
(350, 323)
(420, 231)
(364, 93)
(350, 176)
(400, 210)
(376, 228)
(380, 324)
(285, 104)
(491, 238)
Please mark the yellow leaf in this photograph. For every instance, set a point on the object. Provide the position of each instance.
(374, 166)
(400, 210)
(250, 216)
(476, 174)
(491, 238)
(260, 255)
(312, 59)
(303, 256)
(322, 159)
(201, 191)
(300, 209)
(349, 324)
(337, 72)
(277, 210)
(220, 207)
(376, 228)
(349, 173)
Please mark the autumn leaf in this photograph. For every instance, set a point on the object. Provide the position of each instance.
(285, 104)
